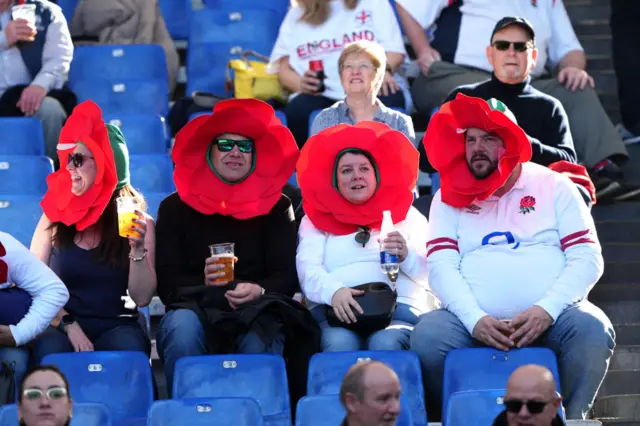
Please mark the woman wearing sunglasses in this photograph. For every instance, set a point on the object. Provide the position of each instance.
(44, 398)
(231, 167)
(349, 175)
(78, 237)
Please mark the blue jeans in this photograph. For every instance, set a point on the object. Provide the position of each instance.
(582, 338)
(181, 334)
(393, 338)
(18, 358)
(123, 338)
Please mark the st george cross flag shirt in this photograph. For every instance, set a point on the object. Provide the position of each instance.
(535, 245)
(461, 29)
(371, 20)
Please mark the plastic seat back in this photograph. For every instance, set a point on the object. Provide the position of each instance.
(121, 380)
(205, 412)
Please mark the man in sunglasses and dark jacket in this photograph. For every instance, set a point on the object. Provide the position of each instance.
(531, 399)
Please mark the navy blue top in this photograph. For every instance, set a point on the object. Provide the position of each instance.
(95, 289)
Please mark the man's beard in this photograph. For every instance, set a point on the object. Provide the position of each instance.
(486, 172)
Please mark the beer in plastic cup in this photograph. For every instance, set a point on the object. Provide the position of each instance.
(223, 254)
(26, 12)
(127, 207)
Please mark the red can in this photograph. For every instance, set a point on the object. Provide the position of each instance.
(318, 67)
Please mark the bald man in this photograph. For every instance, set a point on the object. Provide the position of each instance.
(531, 399)
(370, 393)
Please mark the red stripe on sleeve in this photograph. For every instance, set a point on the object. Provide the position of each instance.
(574, 235)
(443, 247)
(442, 240)
(578, 241)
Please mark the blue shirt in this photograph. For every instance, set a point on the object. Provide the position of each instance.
(339, 113)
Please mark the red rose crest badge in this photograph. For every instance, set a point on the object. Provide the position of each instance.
(527, 204)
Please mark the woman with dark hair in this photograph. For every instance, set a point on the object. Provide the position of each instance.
(78, 237)
(350, 175)
(44, 398)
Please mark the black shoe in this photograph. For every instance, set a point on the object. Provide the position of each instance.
(611, 186)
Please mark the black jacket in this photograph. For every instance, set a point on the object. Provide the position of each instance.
(266, 316)
(501, 420)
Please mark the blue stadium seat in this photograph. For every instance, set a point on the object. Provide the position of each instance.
(176, 16)
(118, 62)
(326, 410)
(205, 412)
(152, 173)
(68, 8)
(312, 117)
(24, 174)
(474, 408)
(144, 133)
(199, 114)
(217, 36)
(121, 380)
(153, 200)
(19, 215)
(127, 96)
(84, 414)
(435, 182)
(280, 7)
(488, 368)
(21, 136)
(282, 117)
(327, 369)
(262, 377)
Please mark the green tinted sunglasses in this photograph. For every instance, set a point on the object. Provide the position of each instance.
(226, 145)
(52, 393)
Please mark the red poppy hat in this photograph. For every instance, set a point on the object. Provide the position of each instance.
(396, 164)
(84, 125)
(275, 155)
(445, 147)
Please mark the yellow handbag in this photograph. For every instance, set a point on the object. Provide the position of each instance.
(251, 79)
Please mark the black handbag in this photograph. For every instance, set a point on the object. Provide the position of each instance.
(7, 384)
(378, 303)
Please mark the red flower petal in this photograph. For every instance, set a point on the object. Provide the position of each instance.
(444, 144)
(397, 162)
(84, 125)
(276, 154)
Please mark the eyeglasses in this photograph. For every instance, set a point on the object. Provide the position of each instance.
(363, 236)
(53, 394)
(534, 407)
(225, 145)
(518, 46)
(77, 159)
(362, 67)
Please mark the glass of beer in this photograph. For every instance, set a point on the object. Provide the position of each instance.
(223, 254)
(127, 207)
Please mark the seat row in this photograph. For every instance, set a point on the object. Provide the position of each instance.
(123, 380)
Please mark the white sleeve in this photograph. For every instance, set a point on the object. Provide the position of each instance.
(285, 43)
(583, 254)
(387, 29)
(425, 12)
(316, 283)
(30, 274)
(443, 263)
(563, 37)
(416, 234)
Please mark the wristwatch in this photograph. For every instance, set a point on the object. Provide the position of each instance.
(67, 319)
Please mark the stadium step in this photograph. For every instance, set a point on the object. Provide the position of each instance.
(622, 311)
(621, 382)
(626, 358)
(620, 407)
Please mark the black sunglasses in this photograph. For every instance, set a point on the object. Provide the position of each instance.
(77, 159)
(225, 145)
(518, 46)
(53, 394)
(363, 236)
(534, 407)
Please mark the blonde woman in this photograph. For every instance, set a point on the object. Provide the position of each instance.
(362, 67)
(318, 30)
